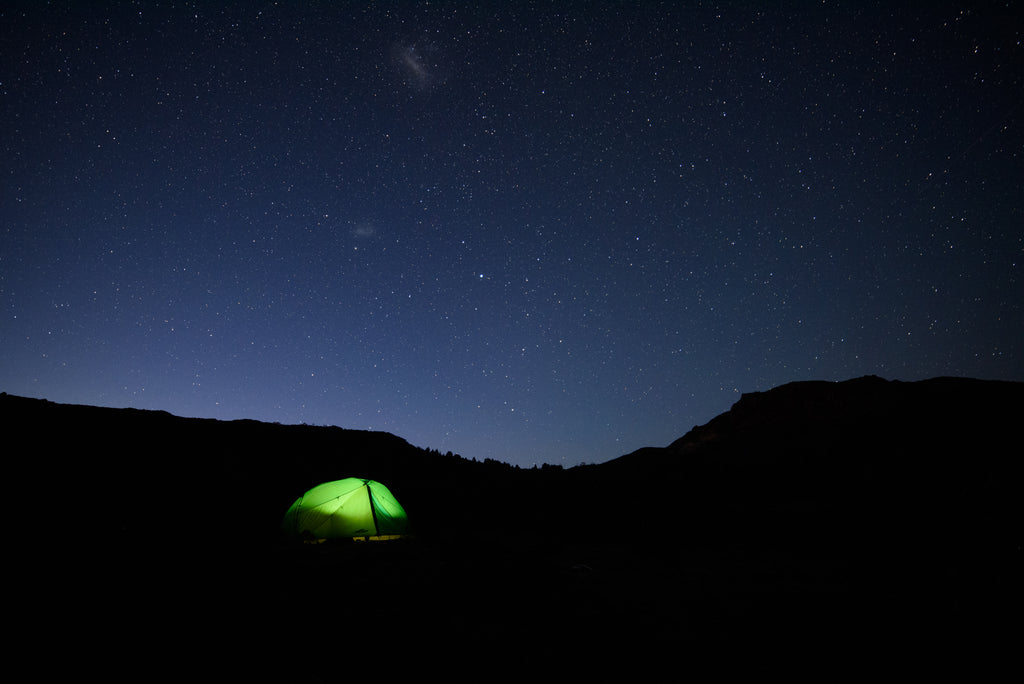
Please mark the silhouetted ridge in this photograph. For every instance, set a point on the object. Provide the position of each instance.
(815, 515)
(865, 463)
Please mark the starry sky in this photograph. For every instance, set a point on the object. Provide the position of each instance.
(532, 232)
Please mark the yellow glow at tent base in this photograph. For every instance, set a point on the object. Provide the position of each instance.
(379, 537)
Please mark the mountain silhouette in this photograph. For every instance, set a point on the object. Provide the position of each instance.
(868, 515)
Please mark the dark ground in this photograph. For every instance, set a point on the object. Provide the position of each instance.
(841, 523)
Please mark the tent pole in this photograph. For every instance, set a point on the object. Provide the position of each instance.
(373, 510)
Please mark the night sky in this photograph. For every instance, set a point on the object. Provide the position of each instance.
(534, 232)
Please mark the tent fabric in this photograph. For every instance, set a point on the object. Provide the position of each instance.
(353, 507)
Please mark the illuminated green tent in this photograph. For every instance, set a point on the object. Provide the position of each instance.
(354, 507)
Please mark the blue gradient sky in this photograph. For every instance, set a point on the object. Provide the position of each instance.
(535, 233)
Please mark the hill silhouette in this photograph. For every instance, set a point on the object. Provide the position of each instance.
(869, 515)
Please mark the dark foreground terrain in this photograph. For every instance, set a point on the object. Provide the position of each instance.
(846, 523)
